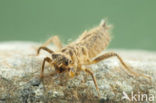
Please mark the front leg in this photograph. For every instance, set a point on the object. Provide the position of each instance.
(44, 48)
(47, 59)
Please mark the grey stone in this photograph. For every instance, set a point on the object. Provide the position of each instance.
(20, 82)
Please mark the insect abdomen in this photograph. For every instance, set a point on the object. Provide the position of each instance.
(95, 40)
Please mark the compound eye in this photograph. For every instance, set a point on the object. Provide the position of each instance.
(66, 62)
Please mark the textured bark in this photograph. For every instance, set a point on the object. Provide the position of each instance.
(20, 83)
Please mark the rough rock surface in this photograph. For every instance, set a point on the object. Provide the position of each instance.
(20, 83)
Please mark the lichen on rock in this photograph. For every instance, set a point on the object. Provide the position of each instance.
(20, 83)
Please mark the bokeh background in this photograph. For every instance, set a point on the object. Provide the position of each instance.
(36, 20)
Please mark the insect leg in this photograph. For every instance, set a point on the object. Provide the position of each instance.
(44, 48)
(47, 59)
(55, 40)
(112, 54)
(94, 79)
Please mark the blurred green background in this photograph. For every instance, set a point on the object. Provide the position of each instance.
(36, 20)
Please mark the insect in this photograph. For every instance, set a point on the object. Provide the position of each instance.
(75, 56)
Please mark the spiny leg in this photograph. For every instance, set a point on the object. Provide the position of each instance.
(44, 48)
(47, 59)
(93, 77)
(111, 54)
(55, 40)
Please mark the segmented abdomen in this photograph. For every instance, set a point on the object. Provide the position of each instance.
(95, 40)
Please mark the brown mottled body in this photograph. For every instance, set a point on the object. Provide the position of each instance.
(89, 44)
(75, 56)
